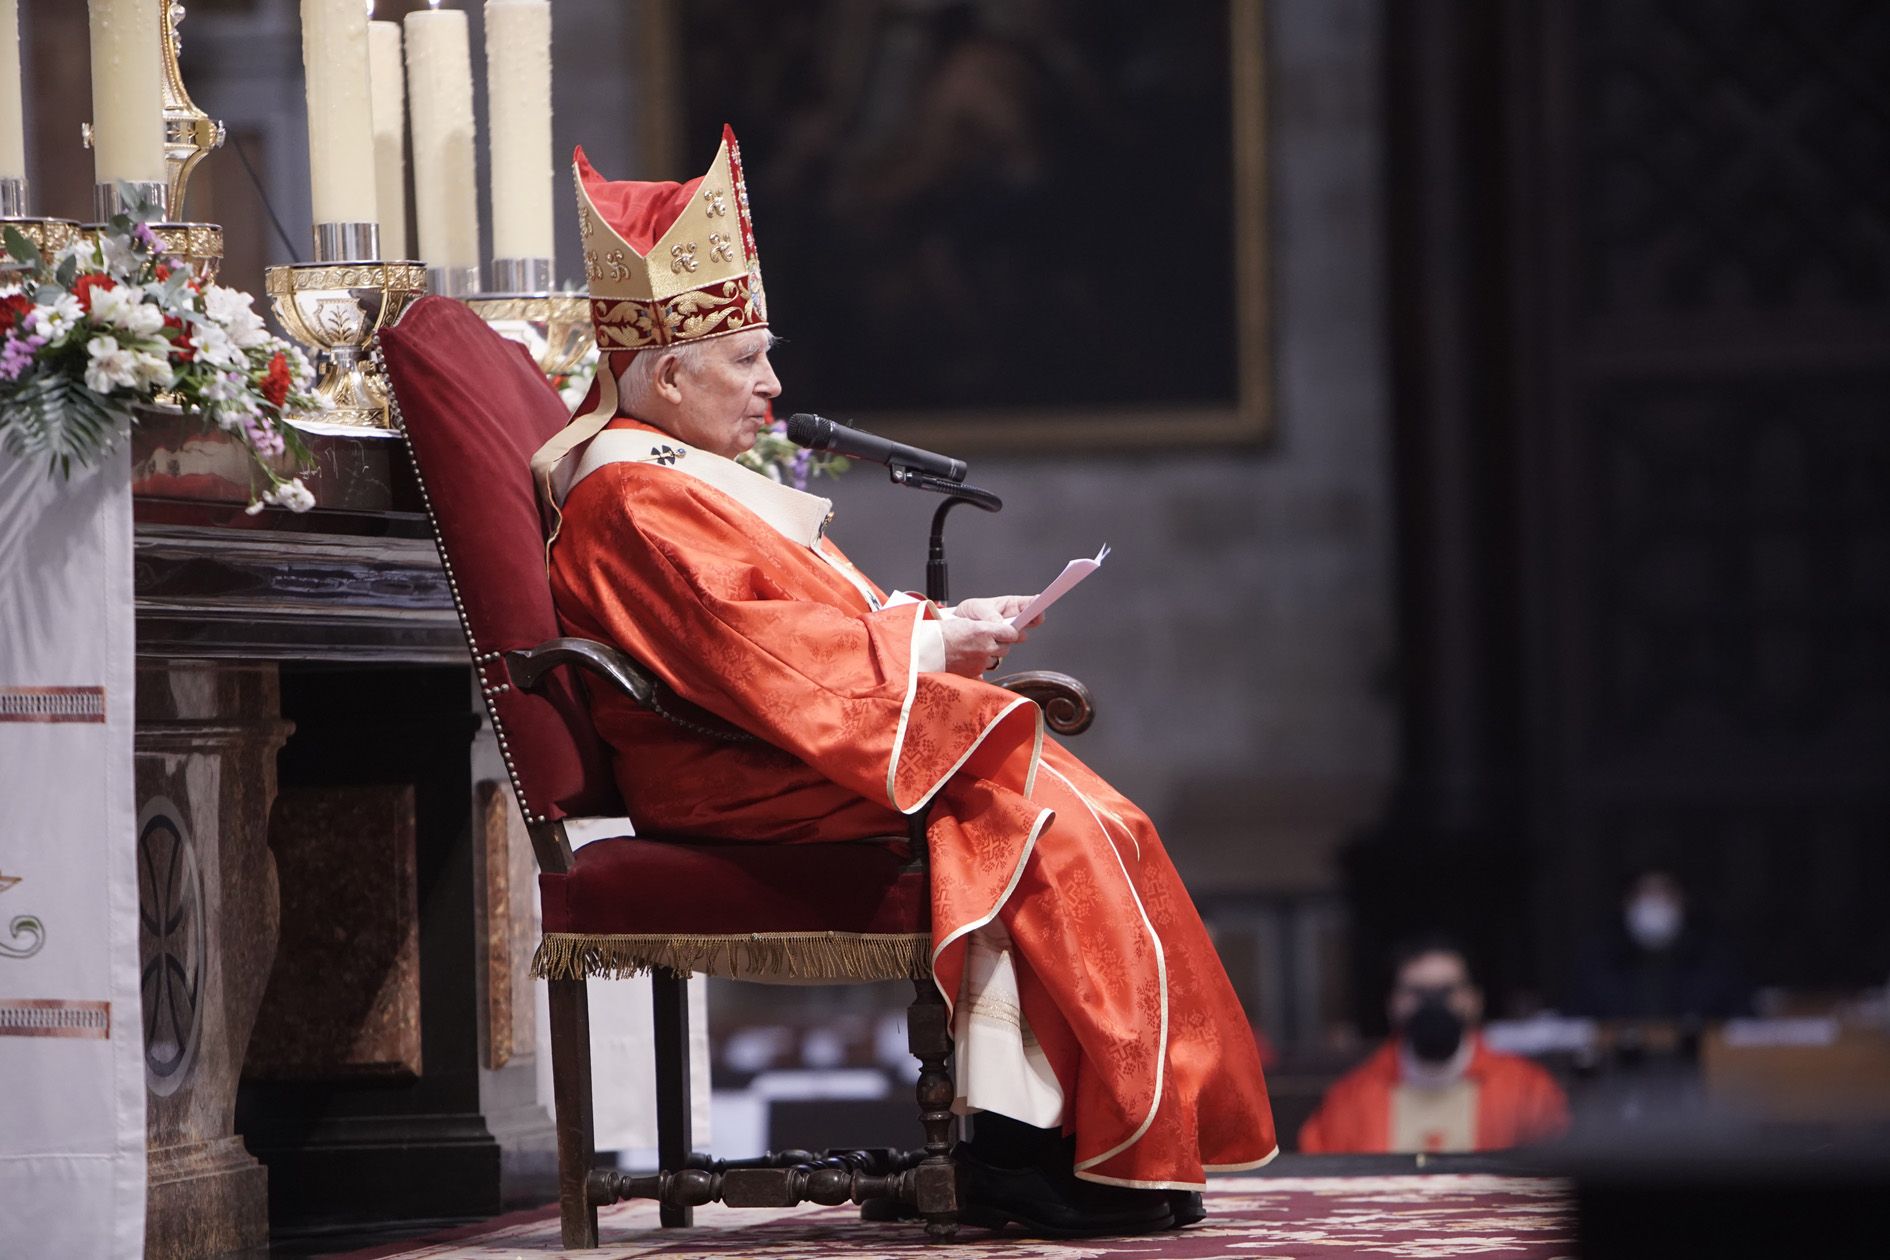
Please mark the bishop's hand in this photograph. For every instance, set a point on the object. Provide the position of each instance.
(996, 608)
(974, 645)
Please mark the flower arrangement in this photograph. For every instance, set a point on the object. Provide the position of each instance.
(772, 455)
(775, 457)
(110, 323)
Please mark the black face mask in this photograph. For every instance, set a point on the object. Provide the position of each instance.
(1434, 1031)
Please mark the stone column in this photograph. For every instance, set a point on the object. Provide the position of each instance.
(207, 737)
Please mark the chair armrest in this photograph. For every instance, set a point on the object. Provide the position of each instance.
(1068, 708)
(528, 667)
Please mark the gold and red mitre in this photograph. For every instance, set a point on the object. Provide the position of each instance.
(669, 262)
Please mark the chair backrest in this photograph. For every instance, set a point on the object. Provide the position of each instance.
(473, 407)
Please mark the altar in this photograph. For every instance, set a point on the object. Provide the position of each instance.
(334, 881)
(335, 908)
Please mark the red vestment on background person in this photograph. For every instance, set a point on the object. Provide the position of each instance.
(1517, 1103)
(1117, 979)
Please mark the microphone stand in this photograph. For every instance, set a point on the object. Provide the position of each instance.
(937, 586)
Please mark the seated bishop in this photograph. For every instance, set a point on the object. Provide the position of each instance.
(1097, 1039)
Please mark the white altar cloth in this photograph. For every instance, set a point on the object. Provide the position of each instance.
(72, 1079)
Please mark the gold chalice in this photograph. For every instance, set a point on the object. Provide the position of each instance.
(335, 309)
(554, 327)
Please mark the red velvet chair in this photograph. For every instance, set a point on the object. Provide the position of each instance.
(473, 407)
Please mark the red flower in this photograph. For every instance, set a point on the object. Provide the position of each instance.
(87, 283)
(13, 308)
(276, 382)
(162, 272)
(181, 344)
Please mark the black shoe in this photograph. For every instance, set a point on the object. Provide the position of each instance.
(1056, 1205)
(1186, 1206)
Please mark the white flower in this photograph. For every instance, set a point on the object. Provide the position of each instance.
(235, 310)
(239, 407)
(151, 371)
(295, 496)
(83, 256)
(125, 308)
(291, 494)
(111, 368)
(300, 370)
(215, 347)
(121, 260)
(225, 387)
(53, 321)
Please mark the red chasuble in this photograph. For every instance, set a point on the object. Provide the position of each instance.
(1510, 1102)
(762, 621)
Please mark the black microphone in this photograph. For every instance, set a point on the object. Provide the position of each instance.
(821, 434)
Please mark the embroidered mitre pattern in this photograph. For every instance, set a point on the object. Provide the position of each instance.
(700, 278)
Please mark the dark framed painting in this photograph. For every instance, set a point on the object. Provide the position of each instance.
(993, 224)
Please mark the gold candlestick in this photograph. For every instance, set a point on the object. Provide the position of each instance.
(189, 133)
(189, 136)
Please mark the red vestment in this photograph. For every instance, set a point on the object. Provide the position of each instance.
(1117, 978)
(1517, 1103)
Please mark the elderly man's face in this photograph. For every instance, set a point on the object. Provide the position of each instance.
(721, 399)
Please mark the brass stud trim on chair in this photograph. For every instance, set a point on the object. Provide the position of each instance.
(452, 585)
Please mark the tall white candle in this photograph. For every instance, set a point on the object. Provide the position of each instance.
(439, 95)
(390, 136)
(12, 117)
(518, 100)
(127, 92)
(340, 117)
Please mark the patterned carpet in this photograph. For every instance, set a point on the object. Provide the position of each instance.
(1421, 1217)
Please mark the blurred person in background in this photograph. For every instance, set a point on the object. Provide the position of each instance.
(1434, 1086)
(1658, 961)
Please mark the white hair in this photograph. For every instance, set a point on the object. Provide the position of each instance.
(636, 386)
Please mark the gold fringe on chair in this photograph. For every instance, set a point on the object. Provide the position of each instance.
(803, 956)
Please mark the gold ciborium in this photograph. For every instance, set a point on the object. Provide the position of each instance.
(335, 309)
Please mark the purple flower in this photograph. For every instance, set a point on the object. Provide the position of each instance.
(16, 355)
(799, 469)
(146, 236)
(264, 438)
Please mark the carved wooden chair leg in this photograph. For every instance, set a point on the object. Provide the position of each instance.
(571, 1097)
(669, 1000)
(935, 1179)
